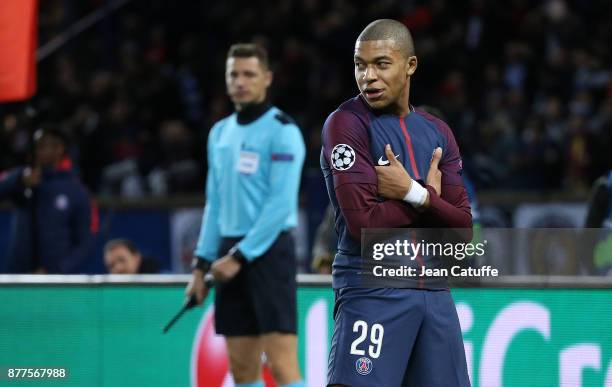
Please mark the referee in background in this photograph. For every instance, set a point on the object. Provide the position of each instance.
(255, 159)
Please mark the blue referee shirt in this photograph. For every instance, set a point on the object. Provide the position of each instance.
(254, 172)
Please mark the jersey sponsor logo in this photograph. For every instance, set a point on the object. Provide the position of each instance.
(342, 157)
(385, 162)
(363, 365)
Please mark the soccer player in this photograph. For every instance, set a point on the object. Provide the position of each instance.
(377, 145)
(255, 159)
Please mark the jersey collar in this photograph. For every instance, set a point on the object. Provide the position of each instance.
(251, 113)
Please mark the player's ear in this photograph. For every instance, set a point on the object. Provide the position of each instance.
(411, 65)
(269, 77)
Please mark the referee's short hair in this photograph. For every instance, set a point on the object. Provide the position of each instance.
(247, 50)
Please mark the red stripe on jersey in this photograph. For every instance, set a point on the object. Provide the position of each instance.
(410, 149)
(65, 164)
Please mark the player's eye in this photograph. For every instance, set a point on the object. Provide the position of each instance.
(384, 65)
(360, 66)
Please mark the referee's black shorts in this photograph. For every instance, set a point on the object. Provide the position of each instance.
(262, 297)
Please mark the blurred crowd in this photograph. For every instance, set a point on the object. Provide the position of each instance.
(525, 85)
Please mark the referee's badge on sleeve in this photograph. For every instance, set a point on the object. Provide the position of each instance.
(248, 162)
(342, 157)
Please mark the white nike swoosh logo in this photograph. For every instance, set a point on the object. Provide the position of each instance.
(384, 162)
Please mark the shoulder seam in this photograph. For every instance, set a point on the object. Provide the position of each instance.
(284, 118)
(439, 125)
(432, 118)
(351, 113)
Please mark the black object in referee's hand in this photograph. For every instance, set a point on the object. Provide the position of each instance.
(209, 281)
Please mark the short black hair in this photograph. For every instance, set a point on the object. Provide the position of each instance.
(247, 50)
(389, 29)
(118, 242)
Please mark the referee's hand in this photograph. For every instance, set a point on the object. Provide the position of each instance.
(197, 286)
(226, 268)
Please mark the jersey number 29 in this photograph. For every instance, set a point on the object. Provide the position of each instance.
(376, 337)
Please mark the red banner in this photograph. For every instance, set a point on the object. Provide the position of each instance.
(18, 41)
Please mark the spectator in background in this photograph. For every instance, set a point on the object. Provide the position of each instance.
(176, 169)
(55, 219)
(526, 86)
(121, 256)
(325, 242)
(159, 169)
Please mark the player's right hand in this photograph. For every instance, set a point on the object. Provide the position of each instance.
(196, 286)
(393, 180)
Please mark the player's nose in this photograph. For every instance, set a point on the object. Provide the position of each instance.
(239, 82)
(370, 74)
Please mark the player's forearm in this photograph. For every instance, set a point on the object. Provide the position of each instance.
(383, 215)
(362, 209)
(452, 210)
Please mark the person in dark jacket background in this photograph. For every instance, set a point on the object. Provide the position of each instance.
(55, 219)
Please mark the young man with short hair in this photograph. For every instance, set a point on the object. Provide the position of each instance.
(255, 159)
(377, 146)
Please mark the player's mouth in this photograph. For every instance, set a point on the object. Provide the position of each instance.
(373, 94)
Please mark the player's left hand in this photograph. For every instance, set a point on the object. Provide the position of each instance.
(434, 176)
(226, 268)
(393, 180)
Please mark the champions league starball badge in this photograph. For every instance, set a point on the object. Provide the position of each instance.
(363, 365)
(342, 157)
